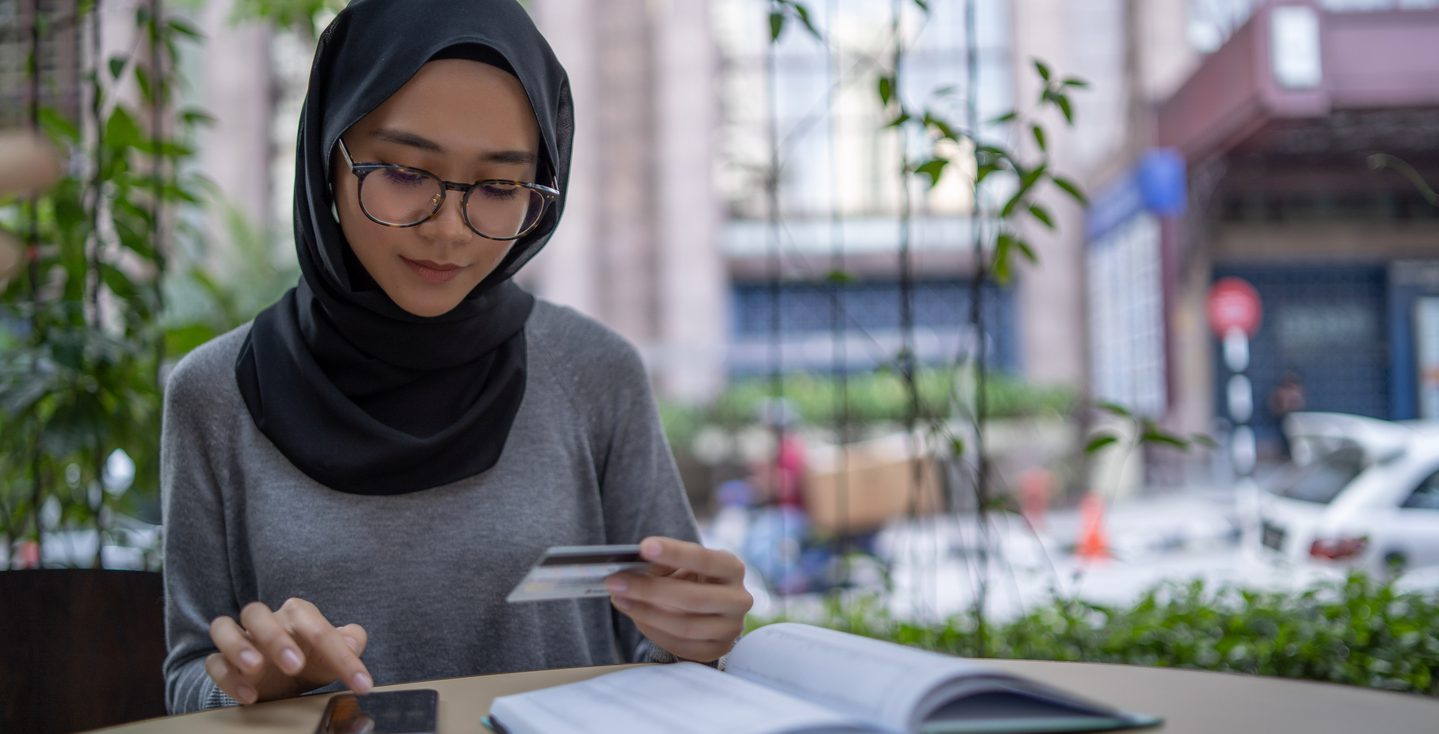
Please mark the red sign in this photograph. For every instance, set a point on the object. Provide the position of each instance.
(1234, 304)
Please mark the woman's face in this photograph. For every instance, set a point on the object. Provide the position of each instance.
(463, 121)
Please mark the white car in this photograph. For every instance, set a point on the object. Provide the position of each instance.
(1360, 494)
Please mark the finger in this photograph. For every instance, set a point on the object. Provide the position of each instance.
(328, 645)
(720, 565)
(691, 628)
(680, 594)
(272, 638)
(685, 649)
(356, 637)
(228, 679)
(238, 649)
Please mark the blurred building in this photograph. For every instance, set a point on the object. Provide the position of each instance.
(1234, 138)
(669, 236)
(1277, 127)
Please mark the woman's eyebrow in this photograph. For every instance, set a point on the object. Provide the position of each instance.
(400, 137)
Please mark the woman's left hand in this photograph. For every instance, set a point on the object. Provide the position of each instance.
(692, 602)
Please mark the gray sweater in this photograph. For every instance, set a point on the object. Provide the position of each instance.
(425, 573)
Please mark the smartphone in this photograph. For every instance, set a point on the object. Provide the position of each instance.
(389, 712)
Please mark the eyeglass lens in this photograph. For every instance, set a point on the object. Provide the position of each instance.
(404, 197)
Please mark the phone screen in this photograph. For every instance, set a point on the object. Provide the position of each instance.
(389, 712)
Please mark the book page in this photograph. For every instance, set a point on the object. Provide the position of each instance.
(876, 681)
(683, 698)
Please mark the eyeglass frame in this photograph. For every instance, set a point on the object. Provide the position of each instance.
(547, 194)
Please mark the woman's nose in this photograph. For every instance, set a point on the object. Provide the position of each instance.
(448, 224)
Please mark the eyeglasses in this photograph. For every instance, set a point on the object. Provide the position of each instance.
(400, 196)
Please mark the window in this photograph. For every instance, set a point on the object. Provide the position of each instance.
(1425, 496)
(58, 60)
(861, 177)
(1323, 479)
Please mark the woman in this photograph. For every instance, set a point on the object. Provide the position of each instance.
(354, 482)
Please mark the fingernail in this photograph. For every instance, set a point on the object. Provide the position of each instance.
(617, 585)
(245, 694)
(250, 658)
(651, 548)
(290, 660)
(361, 682)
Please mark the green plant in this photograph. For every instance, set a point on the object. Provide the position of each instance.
(1356, 631)
(79, 378)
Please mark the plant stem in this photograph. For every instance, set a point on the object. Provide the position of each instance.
(976, 325)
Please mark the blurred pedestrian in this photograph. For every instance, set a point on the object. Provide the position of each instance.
(1287, 397)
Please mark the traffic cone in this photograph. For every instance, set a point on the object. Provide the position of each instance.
(1093, 545)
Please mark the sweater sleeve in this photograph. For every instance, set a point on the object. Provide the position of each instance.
(197, 569)
(639, 482)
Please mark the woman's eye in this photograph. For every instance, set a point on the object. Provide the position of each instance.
(499, 191)
(403, 177)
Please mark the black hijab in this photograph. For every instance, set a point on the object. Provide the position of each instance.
(357, 393)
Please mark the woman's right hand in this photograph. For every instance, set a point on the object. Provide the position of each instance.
(279, 654)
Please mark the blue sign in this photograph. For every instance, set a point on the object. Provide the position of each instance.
(1157, 185)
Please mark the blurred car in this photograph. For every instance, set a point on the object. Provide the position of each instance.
(1359, 493)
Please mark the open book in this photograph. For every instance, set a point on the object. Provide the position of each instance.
(789, 677)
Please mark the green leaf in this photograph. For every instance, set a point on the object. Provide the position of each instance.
(886, 89)
(1205, 440)
(948, 90)
(957, 445)
(1039, 137)
(776, 25)
(1026, 250)
(117, 65)
(802, 12)
(1009, 116)
(1007, 243)
(119, 283)
(1029, 178)
(197, 116)
(1042, 214)
(839, 277)
(142, 78)
(56, 127)
(183, 339)
(1002, 270)
(933, 168)
(922, 4)
(898, 120)
(1071, 188)
(1154, 435)
(1099, 442)
(1115, 409)
(182, 27)
(1043, 69)
(1064, 107)
(1075, 82)
(121, 130)
(1011, 205)
(946, 131)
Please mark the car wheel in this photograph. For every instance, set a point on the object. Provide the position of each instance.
(1395, 562)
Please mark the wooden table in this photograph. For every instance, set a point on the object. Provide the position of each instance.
(1191, 702)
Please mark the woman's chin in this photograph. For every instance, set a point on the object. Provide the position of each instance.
(427, 306)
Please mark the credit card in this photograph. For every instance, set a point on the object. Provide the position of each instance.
(576, 572)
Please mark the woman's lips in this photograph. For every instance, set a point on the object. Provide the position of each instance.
(433, 272)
